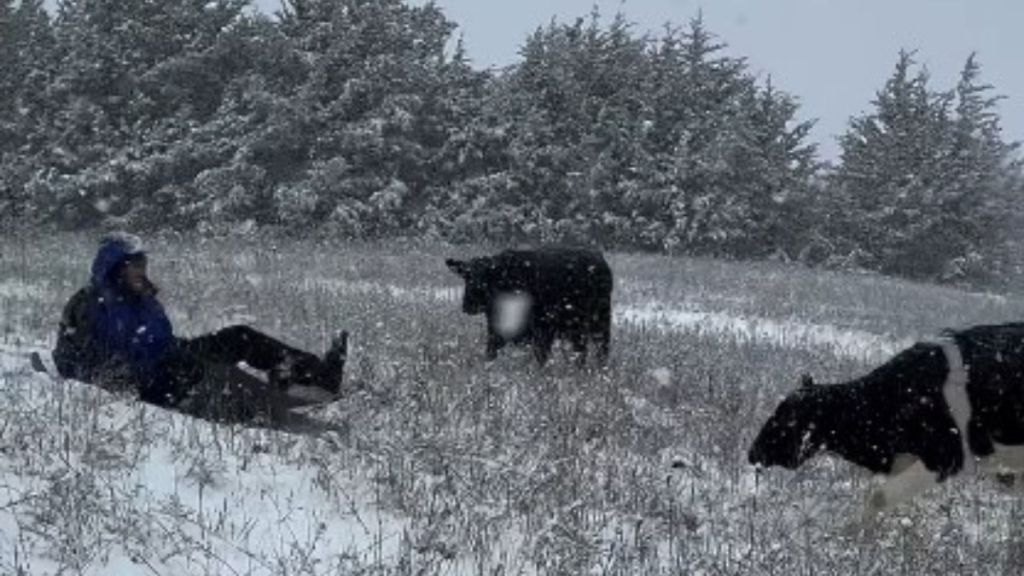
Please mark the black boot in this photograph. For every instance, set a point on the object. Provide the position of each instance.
(295, 371)
(309, 378)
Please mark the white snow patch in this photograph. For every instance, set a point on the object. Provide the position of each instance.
(786, 333)
(401, 293)
(662, 375)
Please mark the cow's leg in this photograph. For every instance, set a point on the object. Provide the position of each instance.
(494, 343)
(225, 393)
(242, 343)
(909, 477)
(543, 339)
(603, 333)
(579, 347)
(1005, 465)
(601, 341)
(1005, 460)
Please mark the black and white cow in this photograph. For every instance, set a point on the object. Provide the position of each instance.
(536, 296)
(927, 414)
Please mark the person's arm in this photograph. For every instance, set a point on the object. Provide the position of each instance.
(76, 355)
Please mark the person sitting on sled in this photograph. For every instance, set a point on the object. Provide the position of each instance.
(114, 333)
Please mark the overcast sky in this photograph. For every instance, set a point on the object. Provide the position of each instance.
(832, 54)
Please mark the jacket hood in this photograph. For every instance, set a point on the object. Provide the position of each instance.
(114, 249)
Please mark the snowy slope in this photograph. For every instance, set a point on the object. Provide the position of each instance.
(147, 490)
(152, 491)
(440, 463)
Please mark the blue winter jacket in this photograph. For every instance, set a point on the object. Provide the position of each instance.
(105, 328)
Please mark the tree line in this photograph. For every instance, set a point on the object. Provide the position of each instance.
(366, 119)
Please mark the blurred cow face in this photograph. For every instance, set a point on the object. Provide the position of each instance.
(477, 291)
(511, 314)
(788, 438)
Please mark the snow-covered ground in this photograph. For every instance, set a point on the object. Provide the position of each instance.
(191, 498)
(857, 344)
(251, 508)
(443, 465)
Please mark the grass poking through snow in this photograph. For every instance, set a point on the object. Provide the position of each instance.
(445, 464)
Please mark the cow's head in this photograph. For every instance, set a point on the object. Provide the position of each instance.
(476, 273)
(788, 439)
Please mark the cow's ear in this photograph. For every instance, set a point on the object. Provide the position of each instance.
(806, 382)
(458, 266)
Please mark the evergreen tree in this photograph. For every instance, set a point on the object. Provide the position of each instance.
(729, 161)
(925, 179)
(981, 185)
(9, 68)
(123, 72)
(885, 166)
(372, 89)
(573, 115)
(469, 137)
(696, 137)
(354, 114)
(26, 66)
(9, 64)
(773, 177)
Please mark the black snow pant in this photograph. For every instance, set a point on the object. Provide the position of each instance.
(207, 381)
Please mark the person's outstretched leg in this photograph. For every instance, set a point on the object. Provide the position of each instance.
(284, 364)
(223, 392)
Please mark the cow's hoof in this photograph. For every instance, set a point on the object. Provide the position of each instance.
(861, 528)
(876, 504)
(1006, 480)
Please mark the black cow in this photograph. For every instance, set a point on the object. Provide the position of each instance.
(931, 411)
(562, 293)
